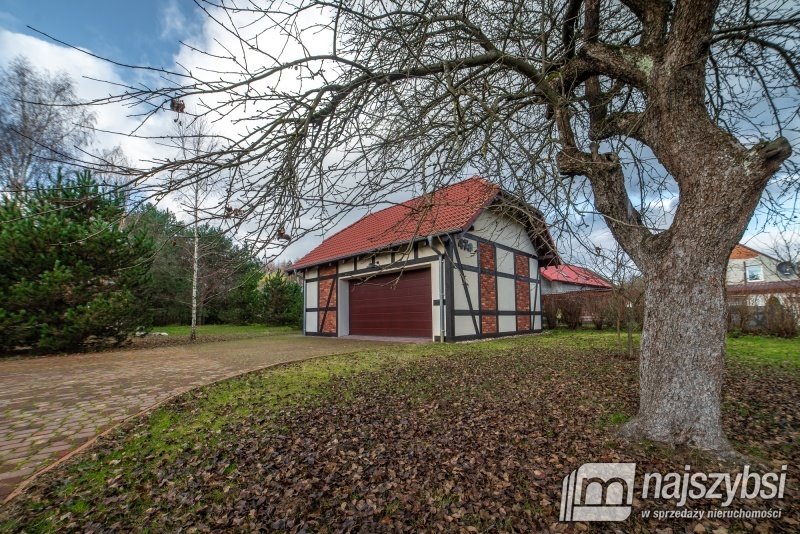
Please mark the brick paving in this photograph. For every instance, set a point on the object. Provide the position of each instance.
(51, 405)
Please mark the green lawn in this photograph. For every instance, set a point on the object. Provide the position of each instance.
(750, 348)
(764, 349)
(224, 329)
(449, 437)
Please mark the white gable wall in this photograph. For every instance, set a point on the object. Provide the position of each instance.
(502, 230)
(507, 238)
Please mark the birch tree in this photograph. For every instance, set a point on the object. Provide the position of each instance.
(193, 139)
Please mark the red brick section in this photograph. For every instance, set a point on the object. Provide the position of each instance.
(488, 288)
(327, 299)
(488, 324)
(521, 265)
(327, 270)
(522, 292)
(486, 252)
(328, 321)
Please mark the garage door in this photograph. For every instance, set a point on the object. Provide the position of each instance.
(387, 306)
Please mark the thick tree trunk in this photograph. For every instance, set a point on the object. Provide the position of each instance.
(683, 346)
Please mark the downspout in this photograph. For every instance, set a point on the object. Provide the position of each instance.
(305, 331)
(441, 289)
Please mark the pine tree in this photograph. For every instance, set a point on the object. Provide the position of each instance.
(71, 274)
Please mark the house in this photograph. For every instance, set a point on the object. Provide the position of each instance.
(565, 284)
(459, 263)
(567, 278)
(753, 277)
(757, 275)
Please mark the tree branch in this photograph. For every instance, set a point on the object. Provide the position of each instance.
(604, 172)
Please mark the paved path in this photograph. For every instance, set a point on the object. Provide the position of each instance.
(51, 405)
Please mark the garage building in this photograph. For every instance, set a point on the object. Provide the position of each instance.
(459, 263)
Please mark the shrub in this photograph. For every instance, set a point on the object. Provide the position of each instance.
(741, 316)
(571, 308)
(780, 321)
(282, 301)
(550, 311)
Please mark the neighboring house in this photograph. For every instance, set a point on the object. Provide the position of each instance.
(459, 263)
(562, 283)
(754, 276)
(568, 278)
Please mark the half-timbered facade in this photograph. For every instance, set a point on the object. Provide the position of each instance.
(459, 263)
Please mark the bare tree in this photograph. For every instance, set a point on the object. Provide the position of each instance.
(193, 141)
(616, 266)
(40, 124)
(786, 247)
(585, 106)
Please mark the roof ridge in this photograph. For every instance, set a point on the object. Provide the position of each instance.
(406, 202)
(439, 200)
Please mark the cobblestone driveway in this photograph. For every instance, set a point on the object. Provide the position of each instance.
(51, 405)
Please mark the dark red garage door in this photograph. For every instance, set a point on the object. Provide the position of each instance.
(386, 305)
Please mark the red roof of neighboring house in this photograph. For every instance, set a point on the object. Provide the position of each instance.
(572, 274)
(451, 209)
(741, 252)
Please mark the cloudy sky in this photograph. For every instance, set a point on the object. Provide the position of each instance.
(145, 32)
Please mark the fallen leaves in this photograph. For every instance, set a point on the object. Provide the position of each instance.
(473, 441)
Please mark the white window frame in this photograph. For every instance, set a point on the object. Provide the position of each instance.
(760, 273)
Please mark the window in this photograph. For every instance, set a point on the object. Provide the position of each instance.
(754, 273)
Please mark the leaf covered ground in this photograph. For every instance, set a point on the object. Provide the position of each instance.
(474, 437)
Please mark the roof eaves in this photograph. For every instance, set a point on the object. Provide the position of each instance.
(751, 249)
(300, 266)
(546, 237)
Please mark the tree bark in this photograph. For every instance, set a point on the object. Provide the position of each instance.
(682, 353)
(683, 339)
(195, 266)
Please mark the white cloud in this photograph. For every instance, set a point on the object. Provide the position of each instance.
(173, 21)
(93, 79)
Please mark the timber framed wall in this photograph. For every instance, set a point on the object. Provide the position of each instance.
(496, 288)
(492, 285)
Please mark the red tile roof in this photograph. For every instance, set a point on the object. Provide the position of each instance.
(741, 252)
(572, 274)
(450, 209)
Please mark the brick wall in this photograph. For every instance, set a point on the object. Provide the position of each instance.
(522, 292)
(521, 265)
(486, 253)
(327, 322)
(488, 324)
(326, 298)
(488, 287)
(327, 270)
(327, 288)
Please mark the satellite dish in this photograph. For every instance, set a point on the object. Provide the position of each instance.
(786, 268)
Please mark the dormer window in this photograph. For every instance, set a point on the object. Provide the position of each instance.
(755, 273)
